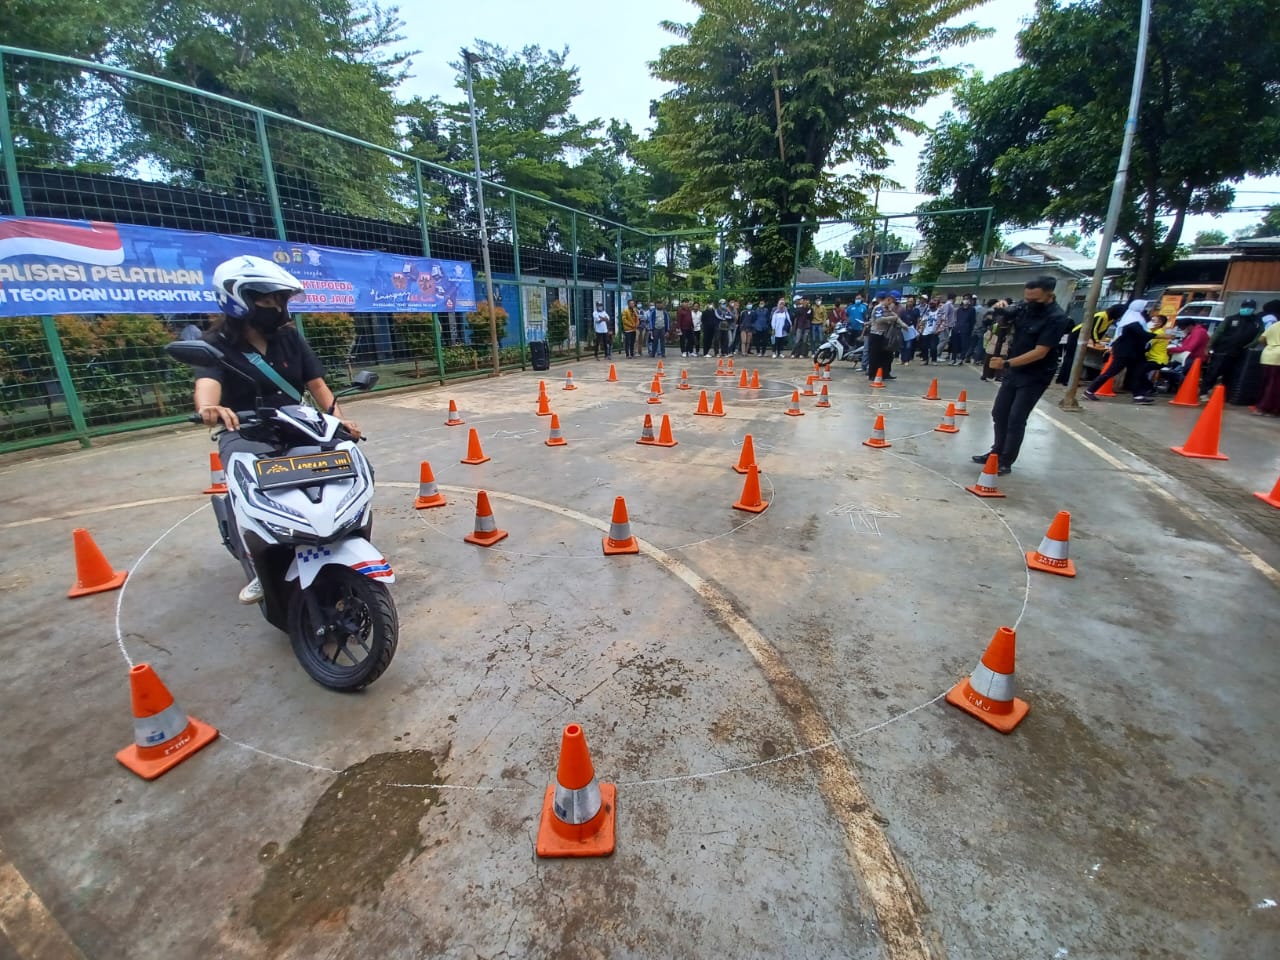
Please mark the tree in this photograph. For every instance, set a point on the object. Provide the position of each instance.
(1041, 141)
(1268, 227)
(1209, 238)
(770, 98)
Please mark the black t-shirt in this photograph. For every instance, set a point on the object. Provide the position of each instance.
(287, 353)
(1031, 330)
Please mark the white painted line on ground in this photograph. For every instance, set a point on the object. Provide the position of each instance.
(27, 923)
(89, 511)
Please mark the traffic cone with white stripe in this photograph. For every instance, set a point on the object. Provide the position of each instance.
(556, 439)
(429, 494)
(579, 814)
(729, 369)
(794, 410)
(684, 381)
(217, 477)
(948, 424)
(962, 404)
(620, 539)
(486, 533)
(988, 693)
(755, 379)
(877, 439)
(823, 399)
(655, 391)
(454, 420)
(808, 386)
(720, 367)
(878, 382)
(826, 373)
(986, 485)
(544, 405)
(163, 736)
(1052, 555)
(661, 373)
(568, 380)
(646, 432)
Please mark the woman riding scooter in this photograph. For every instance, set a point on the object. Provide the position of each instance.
(256, 337)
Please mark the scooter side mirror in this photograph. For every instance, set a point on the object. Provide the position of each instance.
(364, 380)
(194, 353)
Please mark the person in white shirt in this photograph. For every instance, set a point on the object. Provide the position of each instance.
(781, 323)
(600, 319)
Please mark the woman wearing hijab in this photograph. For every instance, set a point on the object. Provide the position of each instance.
(1128, 352)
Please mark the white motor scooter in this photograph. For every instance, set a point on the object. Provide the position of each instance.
(299, 519)
(842, 344)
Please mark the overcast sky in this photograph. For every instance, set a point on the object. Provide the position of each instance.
(612, 43)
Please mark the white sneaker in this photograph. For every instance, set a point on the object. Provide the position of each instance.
(252, 592)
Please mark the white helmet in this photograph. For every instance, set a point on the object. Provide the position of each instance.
(235, 278)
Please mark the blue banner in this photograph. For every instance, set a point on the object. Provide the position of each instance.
(78, 266)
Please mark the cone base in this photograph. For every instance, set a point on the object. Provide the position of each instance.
(808, 393)
(877, 386)
(1035, 563)
(878, 444)
(665, 443)
(114, 583)
(557, 442)
(613, 548)
(1183, 451)
(216, 488)
(454, 423)
(684, 386)
(486, 539)
(544, 413)
(822, 405)
(647, 442)
(200, 734)
(943, 428)
(1269, 498)
(474, 460)
(739, 468)
(1184, 403)
(795, 413)
(425, 503)
(757, 508)
(1004, 722)
(654, 400)
(927, 397)
(570, 386)
(987, 492)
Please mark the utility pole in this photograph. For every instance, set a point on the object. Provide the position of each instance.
(1069, 401)
(871, 251)
(469, 59)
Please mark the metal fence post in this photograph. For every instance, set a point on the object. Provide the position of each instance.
(6, 148)
(515, 257)
(573, 293)
(273, 194)
(982, 256)
(426, 252)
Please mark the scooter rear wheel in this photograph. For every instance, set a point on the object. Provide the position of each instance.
(361, 629)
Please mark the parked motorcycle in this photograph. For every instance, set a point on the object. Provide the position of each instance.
(299, 519)
(842, 344)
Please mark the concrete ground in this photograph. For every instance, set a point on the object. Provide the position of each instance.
(765, 691)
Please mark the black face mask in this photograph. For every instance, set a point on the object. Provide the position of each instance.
(1035, 308)
(268, 321)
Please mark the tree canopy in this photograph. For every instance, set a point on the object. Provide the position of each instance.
(1041, 141)
(774, 102)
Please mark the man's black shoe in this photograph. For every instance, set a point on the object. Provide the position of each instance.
(1004, 470)
(889, 376)
(981, 457)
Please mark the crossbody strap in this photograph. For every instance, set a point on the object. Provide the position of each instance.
(284, 386)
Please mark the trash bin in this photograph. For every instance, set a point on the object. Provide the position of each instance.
(1248, 386)
(539, 355)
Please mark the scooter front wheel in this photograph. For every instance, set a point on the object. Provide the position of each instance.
(357, 634)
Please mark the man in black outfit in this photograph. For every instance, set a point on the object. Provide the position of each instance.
(1038, 325)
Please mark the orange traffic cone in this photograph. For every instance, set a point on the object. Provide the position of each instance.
(613, 373)
(657, 383)
(808, 386)
(542, 388)
(556, 439)
(933, 391)
(163, 736)
(717, 406)
(817, 370)
(962, 404)
(620, 539)
(748, 455)
(948, 424)
(579, 814)
(878, 382)
(568, 380)
(755, 379)
(646, 432)
(544, 405)
(1188, 394)
(428, 494)
(684, 381)
(729, 369)
(655, 392)
(877, 439)
(1272, 498)
(750, 499)
(743, 383)
(665, 439)
(486, 533)
(1203, 442)
(93, 572)
(703, 410)
(1052, 555)
(823, 399)
(1108, 389)
(826, 373)
(217, 478)
(987, 693)
(661, 373)
(986, 485)
(720, 367)
(794, 410)
(474, 453)
(454, 420)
